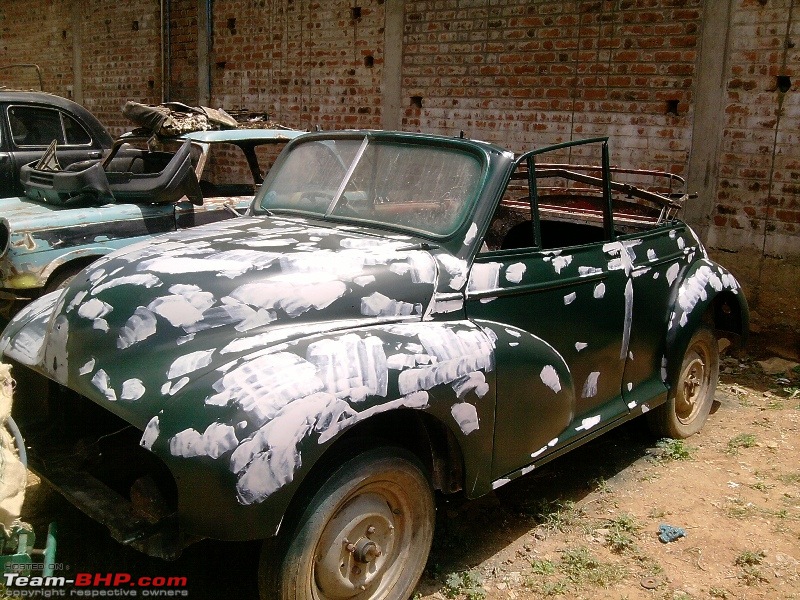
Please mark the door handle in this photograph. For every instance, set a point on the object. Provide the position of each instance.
(94, 154)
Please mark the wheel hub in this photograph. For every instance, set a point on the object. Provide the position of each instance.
(691, 389)
(357, 549)
(366, 551)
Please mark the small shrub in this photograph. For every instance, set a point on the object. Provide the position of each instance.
(465, 583)
(743, 440)
(675, 449)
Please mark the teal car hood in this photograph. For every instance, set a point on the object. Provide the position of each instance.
(138, 325)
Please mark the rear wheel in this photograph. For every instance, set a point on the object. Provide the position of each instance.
(365, 534)
(690, 398)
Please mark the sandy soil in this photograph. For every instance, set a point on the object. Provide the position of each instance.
(584, 526)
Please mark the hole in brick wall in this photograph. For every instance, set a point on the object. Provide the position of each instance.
(135, 26)
(64, 34)
(762, 2)
(355, 13)
(416, 101)
(784, 83)
(672, 107)
(232, 24)
(151, 84)
(369, 61)
(220, 64)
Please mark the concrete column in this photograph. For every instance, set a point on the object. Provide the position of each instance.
(203, 52)
(392, 76)
(709, 113)
(77, 58)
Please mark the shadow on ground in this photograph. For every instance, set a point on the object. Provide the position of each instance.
(468, 532)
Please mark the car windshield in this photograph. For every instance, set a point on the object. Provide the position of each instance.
(427, 189)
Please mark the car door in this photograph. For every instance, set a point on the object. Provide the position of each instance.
(33, 128)
(559, 287)
(6, 161)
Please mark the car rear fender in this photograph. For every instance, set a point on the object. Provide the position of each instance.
(707, 293)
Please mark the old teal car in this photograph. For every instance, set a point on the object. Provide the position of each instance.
(398, 314)
(69, 218)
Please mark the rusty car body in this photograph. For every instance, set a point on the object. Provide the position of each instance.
(399, 313)
(71, 217)
(30, 121)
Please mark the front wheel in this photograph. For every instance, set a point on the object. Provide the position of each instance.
(365, 534)
(690, 398)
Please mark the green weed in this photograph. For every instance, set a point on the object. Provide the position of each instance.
(743, 440)
(675, 449)
(468, 584)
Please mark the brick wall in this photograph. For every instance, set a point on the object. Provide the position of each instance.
(306, 63)
(37, 32)
(182, 39)
(531, 73)
(755, 222)
(521, 73)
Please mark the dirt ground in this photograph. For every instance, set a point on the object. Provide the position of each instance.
(584, 526)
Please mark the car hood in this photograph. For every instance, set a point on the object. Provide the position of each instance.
(145, 321)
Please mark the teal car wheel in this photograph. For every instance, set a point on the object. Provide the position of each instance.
(366, 534)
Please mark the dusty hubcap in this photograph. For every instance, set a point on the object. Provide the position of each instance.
(359, 547)
(692, 389)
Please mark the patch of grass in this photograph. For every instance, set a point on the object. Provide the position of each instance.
(790, 478)
(468, 584)
(775, 404)
(718, 592)
(542, 567)
(657, 513)
(560, 515)
(675, 449)
(601, 486)
(749, 562)
(582, 567)
(545, 589)
(761, 486)
(736, 508)
(748, 557)
(743, 440)
(620, 537)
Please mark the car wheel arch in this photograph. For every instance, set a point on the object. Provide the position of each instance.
(724, 310)
(422, 434)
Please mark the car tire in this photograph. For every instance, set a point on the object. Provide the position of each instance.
(692, 394)
(369, 524)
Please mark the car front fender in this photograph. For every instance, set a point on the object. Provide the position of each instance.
(244, 436)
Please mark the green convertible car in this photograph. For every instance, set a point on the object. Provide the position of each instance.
(397, 313)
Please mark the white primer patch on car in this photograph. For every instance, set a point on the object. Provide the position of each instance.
(132, 389)
(215, 441)
(570, 298)
(549, 377)
(515, 272)
(378, 305)
(599, 290)
(150, 434)
(189, 363)
(588, 423)
(102, 382)
(590, 386)
(466, 415)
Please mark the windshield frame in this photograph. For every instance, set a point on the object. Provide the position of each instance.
(454, 145)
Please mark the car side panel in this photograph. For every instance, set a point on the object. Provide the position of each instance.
(246, 434)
